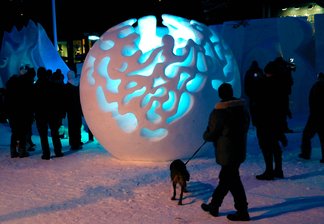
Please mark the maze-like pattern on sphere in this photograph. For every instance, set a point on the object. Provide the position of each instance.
(148, 75)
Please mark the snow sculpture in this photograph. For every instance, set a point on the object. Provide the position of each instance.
(146, 91)
(29, 46)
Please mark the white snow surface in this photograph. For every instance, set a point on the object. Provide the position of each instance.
(90, 186)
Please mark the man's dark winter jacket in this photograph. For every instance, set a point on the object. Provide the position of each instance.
(227, 128)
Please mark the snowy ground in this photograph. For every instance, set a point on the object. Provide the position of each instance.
(90, 186)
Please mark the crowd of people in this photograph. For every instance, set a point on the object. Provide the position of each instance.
(42, 96)
(268, 91)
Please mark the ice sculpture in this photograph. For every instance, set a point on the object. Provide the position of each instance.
(146, 91)
(28, 46)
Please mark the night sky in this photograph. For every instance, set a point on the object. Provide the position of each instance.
(75, 18)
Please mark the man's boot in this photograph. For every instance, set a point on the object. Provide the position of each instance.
(13, 151)
(213, 210)
(306, 146)
(278, 173)
(242, 213)
(13, 147)
(268, 173)
(22, 152)
(239, 216)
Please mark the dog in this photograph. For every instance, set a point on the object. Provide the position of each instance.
(179, 176)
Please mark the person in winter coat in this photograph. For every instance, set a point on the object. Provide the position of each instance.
(18, 103)
(315, 122)
(251, 88)
(227, 128)
(271, 124)
(74, 110)
(48, 112)
(283, 69)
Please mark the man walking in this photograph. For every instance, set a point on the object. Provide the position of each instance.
(227, 128)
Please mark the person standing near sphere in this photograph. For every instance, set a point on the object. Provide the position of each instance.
(73, 110)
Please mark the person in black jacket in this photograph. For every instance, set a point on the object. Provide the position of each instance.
(3, 115)
(315, 122)
(283, 69)
(271, 123)
(48, 112)
(17, 104)
(227, 128)
(251, 88)
(29, 78)
(74, 110)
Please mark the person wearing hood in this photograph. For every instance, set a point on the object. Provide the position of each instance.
(227, 129)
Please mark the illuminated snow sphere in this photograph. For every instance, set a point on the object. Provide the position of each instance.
(146, 91)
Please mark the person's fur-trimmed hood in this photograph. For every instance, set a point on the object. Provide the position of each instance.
(230, 103)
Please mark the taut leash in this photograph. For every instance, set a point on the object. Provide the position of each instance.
(196, 152)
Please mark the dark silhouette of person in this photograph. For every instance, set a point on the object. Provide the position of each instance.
(49, 111)
(315, 121)
(227, 129)
(90, 134)
(29, 78)
(3, 115)
(17, 109)
(271, 122)
(251, 87)
(284, 71)
(57, 78)
(74, 110)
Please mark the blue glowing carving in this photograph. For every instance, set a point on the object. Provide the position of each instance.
(136, 93)
(153, 71)
(160, 92)
(183, 77)
(158, 82)
(127, 122)
(196, 83)
(152, 116)
(104, 104)
(111, 84)
(184, 106)
(170, 103)
(106, 45)
(154, 135)
(131, 85)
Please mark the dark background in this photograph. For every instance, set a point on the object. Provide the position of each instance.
(75, 18)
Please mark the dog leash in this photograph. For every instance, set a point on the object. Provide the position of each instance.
(195, 152)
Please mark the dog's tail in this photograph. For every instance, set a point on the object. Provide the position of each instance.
(187, 175)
